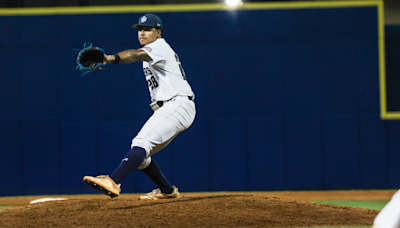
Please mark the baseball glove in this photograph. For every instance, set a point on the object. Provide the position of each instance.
(90, 58)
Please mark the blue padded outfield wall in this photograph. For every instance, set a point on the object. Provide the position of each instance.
(287, 99)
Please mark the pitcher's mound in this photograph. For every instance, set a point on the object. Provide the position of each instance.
(206, 211)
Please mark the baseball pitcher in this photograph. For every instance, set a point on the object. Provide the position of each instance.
(172, 101)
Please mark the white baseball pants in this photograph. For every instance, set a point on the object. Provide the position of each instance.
(167, 122)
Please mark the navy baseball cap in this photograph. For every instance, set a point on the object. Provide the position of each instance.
(149, 20)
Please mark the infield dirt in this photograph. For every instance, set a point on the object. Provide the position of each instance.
(281, 209)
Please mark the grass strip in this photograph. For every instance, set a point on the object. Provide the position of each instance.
(374, 205)
(341, 227)
(4, 207)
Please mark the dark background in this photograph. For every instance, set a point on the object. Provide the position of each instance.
(287, 100)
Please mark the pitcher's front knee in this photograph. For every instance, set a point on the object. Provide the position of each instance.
(146, 162)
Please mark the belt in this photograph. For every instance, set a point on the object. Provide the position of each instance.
(161, 103)
(156, 105)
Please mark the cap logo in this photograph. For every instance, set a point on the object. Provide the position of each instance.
(158, 24)
(143, 19)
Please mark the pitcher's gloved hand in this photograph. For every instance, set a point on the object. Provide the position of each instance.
(90, 58)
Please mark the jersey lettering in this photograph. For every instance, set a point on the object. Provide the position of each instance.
(180, 67)
(147, 71)
(152, 82)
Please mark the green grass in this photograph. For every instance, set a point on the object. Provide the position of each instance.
(375, 205)
(340, 227)
(4, 207)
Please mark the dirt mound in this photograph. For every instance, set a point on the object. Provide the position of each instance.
(205, 211)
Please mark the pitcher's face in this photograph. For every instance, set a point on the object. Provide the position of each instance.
(147, 35)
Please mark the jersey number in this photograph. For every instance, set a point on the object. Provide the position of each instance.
(152, 82)
(180, 67)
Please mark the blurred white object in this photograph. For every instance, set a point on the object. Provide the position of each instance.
(389, 216)
(46, 199)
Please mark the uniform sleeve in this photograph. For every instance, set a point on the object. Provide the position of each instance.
(156, 51)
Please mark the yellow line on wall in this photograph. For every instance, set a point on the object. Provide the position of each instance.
(391, 116)
(385, 114)
(382, 65)
(179, 8)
